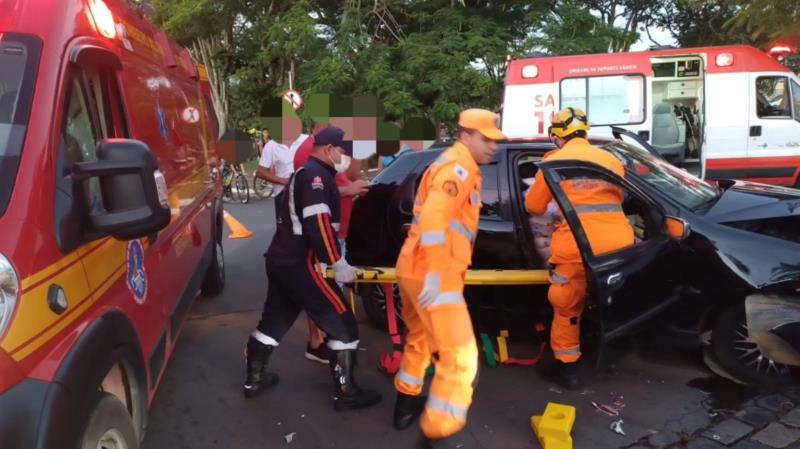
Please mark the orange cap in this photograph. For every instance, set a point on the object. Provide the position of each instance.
(483, 121)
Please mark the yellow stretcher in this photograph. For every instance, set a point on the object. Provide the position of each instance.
(370, 275)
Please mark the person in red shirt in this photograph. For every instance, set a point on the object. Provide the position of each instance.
(350, 185)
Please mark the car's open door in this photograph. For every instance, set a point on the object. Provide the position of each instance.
(632, 285)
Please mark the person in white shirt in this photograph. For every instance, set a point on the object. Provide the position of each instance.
(276, 164)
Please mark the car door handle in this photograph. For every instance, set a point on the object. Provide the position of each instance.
(762, 146)
(614, 279)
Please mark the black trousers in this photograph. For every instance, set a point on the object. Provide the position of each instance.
(293, 288)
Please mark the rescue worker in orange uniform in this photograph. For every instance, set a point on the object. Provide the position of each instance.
(430, 272)
(599, 208)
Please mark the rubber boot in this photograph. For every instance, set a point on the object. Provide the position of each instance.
(257, 378)
(407, 408)
(566, 375)
(348, 395)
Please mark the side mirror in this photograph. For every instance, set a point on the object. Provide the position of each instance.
(134, 191)
(676, 228)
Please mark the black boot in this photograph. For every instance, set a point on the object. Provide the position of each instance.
(257, 378)
(348, 395)
(406, 409)
(566, 375)
(451, 442)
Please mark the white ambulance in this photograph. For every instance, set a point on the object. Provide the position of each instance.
(721, 112)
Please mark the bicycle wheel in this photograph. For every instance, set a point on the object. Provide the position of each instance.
(243, 188)
(262, 187)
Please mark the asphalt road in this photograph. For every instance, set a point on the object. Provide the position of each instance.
(200, 405)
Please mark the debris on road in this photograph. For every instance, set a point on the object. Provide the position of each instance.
(289, 437)
(606, 409)
(616, 426)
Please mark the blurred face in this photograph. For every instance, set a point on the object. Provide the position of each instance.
(482, 148)
(265, 135)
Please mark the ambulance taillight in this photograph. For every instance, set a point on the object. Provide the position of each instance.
(103, 18)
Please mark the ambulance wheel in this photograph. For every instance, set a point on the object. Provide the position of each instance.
(214, 282)
(374, 300)
(739, 356)
(110, 426)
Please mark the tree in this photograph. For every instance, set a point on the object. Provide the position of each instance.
(569, 28)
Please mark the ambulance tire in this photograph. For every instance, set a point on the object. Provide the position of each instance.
(109, 426)
(214, 282)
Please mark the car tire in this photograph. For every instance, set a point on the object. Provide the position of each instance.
(214, 281)
(374, 301)
(110, 426)
(740, 357)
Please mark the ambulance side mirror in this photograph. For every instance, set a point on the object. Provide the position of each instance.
(133, 201)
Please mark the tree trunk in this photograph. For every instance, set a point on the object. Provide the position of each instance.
(207, 49)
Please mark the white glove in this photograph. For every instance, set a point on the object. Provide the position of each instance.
(430, 290)
(343, 272)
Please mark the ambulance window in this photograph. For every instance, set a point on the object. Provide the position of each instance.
(772, 97)
(796, 99)
(212, 117)
(104, 94)
(607, 100)
(79, 136)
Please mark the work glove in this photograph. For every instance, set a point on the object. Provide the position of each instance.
(430, 289)
(343, 272)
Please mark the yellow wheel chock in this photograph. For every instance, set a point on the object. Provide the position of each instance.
(554, 426)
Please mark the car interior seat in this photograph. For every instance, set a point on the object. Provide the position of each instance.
(527, 170)
(666, 134)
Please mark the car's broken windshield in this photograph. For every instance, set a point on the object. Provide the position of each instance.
(683, 187)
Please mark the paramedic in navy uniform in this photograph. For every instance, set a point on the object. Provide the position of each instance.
(303, 246)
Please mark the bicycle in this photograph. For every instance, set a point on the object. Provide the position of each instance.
(261, 187)
(232, 177)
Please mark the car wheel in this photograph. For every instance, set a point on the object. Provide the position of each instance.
(374, 300)
(110, 426)
(214, 281)
(739, 356)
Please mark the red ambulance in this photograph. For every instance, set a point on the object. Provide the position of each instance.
(110, 217)
(722, 112)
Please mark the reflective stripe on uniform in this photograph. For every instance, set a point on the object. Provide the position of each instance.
(430, 238)
(475, 199)
(408, 379)
(314, 209)
(459, 227)
(337, 345)
(572, 351)
(455, 411)
(297, 227)
(557, 278)
(598, 208)
(336, 226)
(444, 299)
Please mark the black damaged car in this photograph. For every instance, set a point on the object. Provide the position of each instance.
(720, 261)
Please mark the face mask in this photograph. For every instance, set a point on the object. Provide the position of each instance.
(343, 165)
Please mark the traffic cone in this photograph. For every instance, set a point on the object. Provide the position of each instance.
(238, 231)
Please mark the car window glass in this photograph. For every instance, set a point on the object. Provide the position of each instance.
(490, 195)
(772, 97)
(796, 100)
(397, 172)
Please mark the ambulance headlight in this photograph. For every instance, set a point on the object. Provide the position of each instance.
(9, 289)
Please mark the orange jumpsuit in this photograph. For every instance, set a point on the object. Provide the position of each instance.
(599, 208)
(440, 240)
